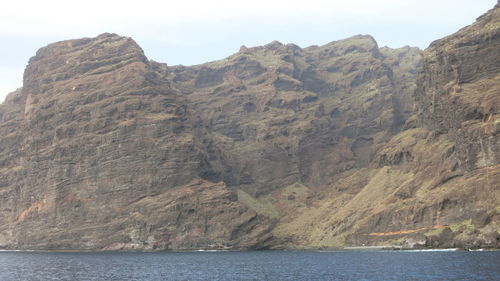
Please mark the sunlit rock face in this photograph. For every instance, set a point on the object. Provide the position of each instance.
(276, 146)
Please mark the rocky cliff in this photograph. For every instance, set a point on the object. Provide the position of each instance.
(278, 115)
(276, 146)
(437, 182)
(98, 152)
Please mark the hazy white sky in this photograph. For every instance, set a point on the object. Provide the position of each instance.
(195, 31)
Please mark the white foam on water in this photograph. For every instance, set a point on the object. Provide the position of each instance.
(432, 250)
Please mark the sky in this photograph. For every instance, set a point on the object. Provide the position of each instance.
(191, 32)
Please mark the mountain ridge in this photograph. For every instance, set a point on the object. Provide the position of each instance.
(275, 146)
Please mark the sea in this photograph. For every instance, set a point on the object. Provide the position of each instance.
(251, 265)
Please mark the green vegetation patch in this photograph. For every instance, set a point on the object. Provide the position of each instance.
(399, 241)
(260, 207)
(434, 232)
(467, 223)
(267, 59)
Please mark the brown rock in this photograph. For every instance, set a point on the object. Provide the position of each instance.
(274, 146)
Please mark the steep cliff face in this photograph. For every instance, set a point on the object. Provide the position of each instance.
(94, 130)
(277, 115)
(437, 183)
(458, 91)
(344, 144)
(458, 105)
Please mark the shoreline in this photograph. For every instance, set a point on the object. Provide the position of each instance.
(346, 249)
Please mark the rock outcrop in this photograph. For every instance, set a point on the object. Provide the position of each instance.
(345, 144)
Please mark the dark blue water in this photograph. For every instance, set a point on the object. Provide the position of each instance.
(264, 265)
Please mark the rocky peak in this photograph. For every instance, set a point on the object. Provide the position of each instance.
(71, 58)
(107, 63)
(274, 45)
(357, 43)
